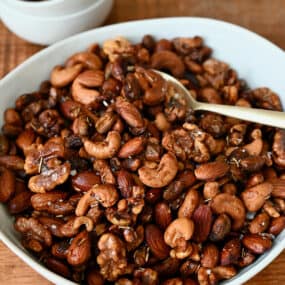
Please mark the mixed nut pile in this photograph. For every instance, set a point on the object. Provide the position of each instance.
(112, 179)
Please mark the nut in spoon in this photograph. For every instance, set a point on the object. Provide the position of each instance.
(261, 116)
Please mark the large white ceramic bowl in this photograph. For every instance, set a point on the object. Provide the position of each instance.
(49, 8)
(257, 60)
(48, 30)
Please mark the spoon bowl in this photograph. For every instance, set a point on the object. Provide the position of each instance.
(260, 116)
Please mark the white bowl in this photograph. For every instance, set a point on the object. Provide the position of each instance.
(47, 30)
(49, 8)
(257, 60)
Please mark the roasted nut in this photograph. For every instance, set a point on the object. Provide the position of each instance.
(155, 241)
(210, 256)
(162, 215)
(278, 148)
(277, 225)
(7, 185)
(259, 224)
(258, 244)
(190, 203)
(83, 181)
(105, 149)
(104, 194)
(162, 175)
(132, 147)
(105, 172)
(57, 266)
(94, 278)
(231, 205)
(211, 170)
(87, 59)
(12, 162)
(255, 197)
(105, 122)
(231, 252)
(221, 227)
(278, 187)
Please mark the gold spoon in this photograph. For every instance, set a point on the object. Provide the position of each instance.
(261, 116)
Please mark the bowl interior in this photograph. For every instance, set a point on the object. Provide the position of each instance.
(255, 59)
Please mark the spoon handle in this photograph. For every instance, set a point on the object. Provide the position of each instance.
(261, 116)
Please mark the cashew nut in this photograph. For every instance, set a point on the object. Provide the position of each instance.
(255, 197)
(255, 147)
(231, 205)
(166, 59)
(81, 93)
(105, 149)
(88, 59)
(162, 175)
(105, 172)
(104, 194)
(62, 76)
(83, 220)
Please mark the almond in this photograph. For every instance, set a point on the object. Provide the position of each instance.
(278, 187)
(210, 256)
(91, 78)
(259, 224)
(231, 252)
(132, 147)
(162, 214)
(252, 163)
(258, 244)
(83, 181)
(202, 218)
(155, 241)
(221, 227)
(211, 170)
(125, 183)
(277, 225)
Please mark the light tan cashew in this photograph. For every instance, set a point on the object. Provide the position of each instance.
(103, 194)
(255, 197)
(190, 203)
(88, 59)
(162, 175)
(105, 171)
(105, 149)
(255, 147)
(231, 205)
(83, 220)
(62, 76)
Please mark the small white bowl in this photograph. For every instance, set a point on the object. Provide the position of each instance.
(258, 61)
(50, 8)
(47, 30)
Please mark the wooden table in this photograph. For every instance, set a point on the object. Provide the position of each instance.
(263, 16)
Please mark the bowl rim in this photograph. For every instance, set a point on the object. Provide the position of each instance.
(61, 18)
(273, 253)
(32, 4)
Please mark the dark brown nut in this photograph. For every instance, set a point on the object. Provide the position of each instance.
(213, 124)
(255, 147)
(11, 116)
(224, 272)
(210, 95)
(255, 197)
(94, 278)
(155, 241)
(70, 109)
(88, 59)
(104, 194)
(202, 218)
(259, 224)
(52, 224)
(153, 195)
(53, 202)
(173, 191)
(132, 147)
(61, 76)
(105, 122)
(210, 256)
(277, 225)
(187, 45)
(146, 276)
(125, 182)
(278, 148)
(11, 131)
(7, 185)
(254, 180)
(278, 187)
(168, 60)
(79, 250)
(12, 162)
(104, 170)
(131, 164)
(49, 179)
(190, 203)
(189, 267)
(252, 163)
(162, 215)
(32, 227)
(167, 267)
(258, 244)
(25, 139)
(105, 149)
(162, 175)
(129, 113)
(231, 252)
(83, 181)
(229, 188)
(189, 281)
(112, 257)
(221, 227)
(211, 170)
(246, 259)
(225, 203)
(173, 281)
(58, 266)
(81, 126)
(206, 277)
(4, 145)
(60, 249)
(32, 244)
(20, 202)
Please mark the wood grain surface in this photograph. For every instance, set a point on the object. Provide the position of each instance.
(265, 17)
